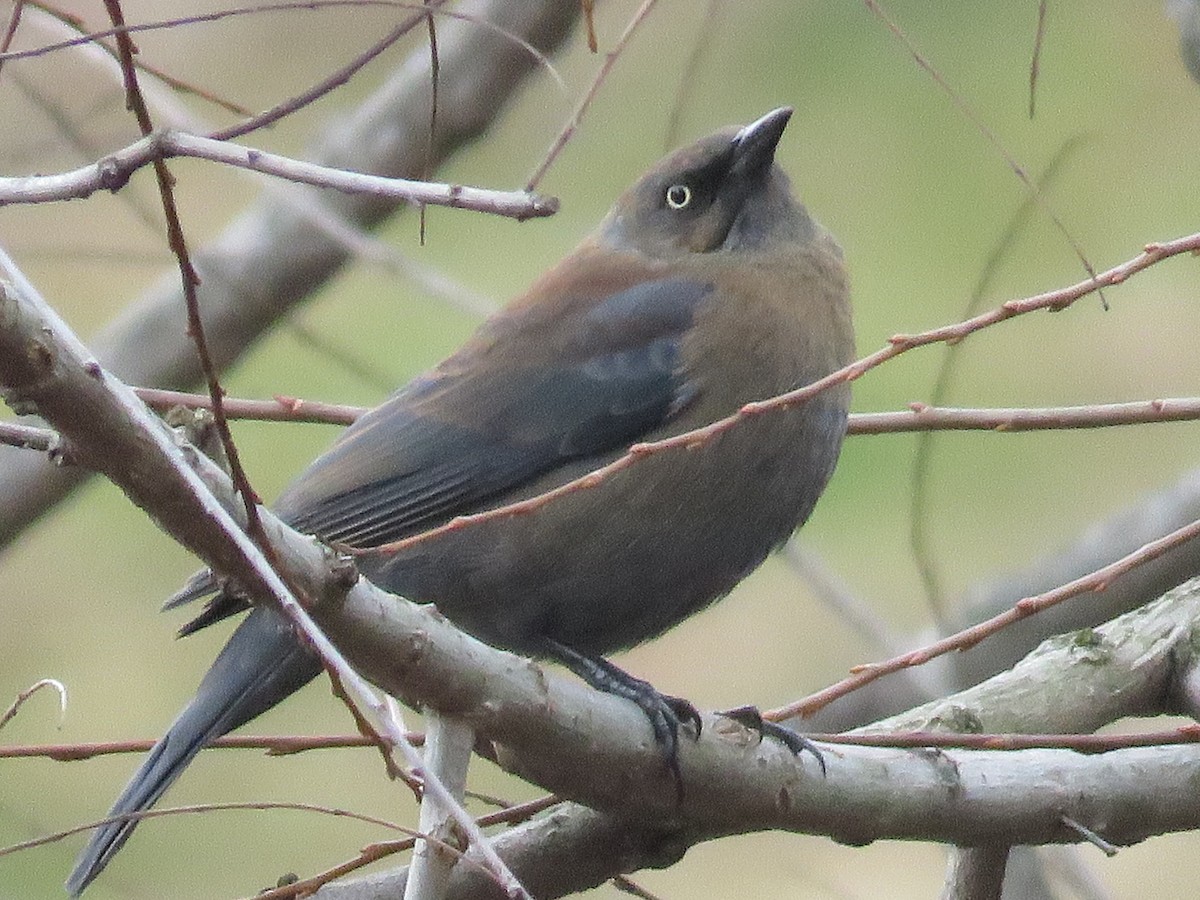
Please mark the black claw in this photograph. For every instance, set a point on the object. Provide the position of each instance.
(684, 712)
(666, 713)
(750, 717)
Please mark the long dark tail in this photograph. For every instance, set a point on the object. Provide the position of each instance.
(262, 664)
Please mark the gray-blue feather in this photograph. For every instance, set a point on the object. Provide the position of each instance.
(624, 380)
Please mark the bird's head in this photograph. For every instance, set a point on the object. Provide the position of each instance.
(723, 192)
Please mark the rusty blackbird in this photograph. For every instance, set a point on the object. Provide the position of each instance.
(705, 287)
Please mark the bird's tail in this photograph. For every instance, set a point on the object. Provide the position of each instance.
(261, 665)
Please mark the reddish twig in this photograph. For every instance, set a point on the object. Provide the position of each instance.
(189, 278)
(434, 83)
(589, 22)
(77, 23)
(330, 661)
(369, 854)
(627, 885)
(1058, 299)
(1094, 582)
(920, 417)
(89, 37)
(373, 852)
(372, 734)
(121, 32)
(202, 808)
(281, 409)
(325, 86)
(281, 745)
(1082, 743)
(511, 814)
(266, 806)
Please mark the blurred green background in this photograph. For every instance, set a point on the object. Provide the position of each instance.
(917, 197)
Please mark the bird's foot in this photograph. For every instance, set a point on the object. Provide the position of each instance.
(750, 717)
(666, 713)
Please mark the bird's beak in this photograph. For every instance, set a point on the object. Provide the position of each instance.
(754, 146)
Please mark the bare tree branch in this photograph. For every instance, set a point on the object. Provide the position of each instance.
(112, 172)
(976, 873)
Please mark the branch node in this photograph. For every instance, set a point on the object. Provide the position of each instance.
(1106, 847)
(113, 176)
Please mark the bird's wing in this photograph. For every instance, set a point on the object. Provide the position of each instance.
(516, 402)
(497, 416)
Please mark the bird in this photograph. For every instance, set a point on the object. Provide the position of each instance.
(707, 286)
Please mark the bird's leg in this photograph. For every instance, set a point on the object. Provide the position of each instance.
(750, 717)
(666, 713)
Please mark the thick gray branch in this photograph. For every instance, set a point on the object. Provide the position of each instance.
(976, 874)
(1136, 665)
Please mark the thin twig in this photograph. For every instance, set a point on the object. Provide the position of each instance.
(610, 59)
(988, 134)
(331, 82)
(372, 852)
(24, 695)
(917, 418)
(98, 37)
(1094, 582)
(434, 81)
(1056, 300)
(1056, 418)
(10, 30)
(189, 278)
(919, 535)
(201, 808)
(1081, 743)
(29, 437)
(1107, 848)
(687, 78)
(1035, 62)
(629, 886)
(274, 745)
(589, 24)
(281, 409)
(77, 24)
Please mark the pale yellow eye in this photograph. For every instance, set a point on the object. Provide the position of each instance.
(679, 196)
